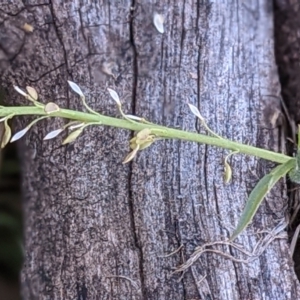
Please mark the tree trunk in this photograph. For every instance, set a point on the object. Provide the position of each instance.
(97, 229)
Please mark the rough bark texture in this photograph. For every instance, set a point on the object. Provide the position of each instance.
(97, 229)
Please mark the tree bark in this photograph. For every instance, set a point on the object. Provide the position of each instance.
(97, 229)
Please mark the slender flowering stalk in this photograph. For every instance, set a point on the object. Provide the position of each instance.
(164, 132)
(147, 133)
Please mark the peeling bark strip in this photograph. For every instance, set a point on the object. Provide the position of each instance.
(97, 229)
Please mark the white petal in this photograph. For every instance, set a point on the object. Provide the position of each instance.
(75, 88)
(53, 134)
(19, 134)
(114, 95)
(20, 91)
(195, 111)
(133, 117)
(158, 21)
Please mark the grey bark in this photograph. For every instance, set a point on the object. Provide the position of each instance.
(97, 229)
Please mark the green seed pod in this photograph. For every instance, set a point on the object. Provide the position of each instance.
(227, 172)
(72, 136)
(51, 108)
(133, 143)
(143, 135)
(32, 93)
(7, 134)
(146, 144)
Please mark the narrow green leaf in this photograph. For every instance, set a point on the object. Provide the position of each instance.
(259, 192)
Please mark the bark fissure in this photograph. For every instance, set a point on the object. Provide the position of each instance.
(179, 235)
(182, 33)
(130, 177)
(137, 243)
(81, 22)
(135, 55)
(46, 73)
(58, 35)
(218, 211)
(235, 269)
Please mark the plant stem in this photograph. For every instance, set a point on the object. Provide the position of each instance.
(164, 132)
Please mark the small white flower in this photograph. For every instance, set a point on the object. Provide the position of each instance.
(114, 95)
(75, 88)
(20, 91)
(195, 111)
(53, 134)
(19, 134)
(133, 117)
(158, 21)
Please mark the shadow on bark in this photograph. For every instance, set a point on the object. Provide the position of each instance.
(287, 50)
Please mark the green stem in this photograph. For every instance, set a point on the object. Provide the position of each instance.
(164, 132)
